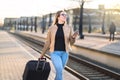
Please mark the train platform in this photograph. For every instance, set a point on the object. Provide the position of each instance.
(14, 55)
(94, 41)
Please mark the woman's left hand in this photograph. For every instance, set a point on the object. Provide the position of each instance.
(75, 34)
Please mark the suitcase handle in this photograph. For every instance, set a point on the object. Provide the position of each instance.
(41, 64)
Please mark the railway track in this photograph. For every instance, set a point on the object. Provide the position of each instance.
(79, 67)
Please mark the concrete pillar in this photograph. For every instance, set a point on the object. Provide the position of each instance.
(70, 18)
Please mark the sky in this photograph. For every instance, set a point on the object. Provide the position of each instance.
(17, 8)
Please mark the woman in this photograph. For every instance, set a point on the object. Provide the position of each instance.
(59, 38)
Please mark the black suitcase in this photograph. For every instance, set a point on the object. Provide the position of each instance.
(37, 70)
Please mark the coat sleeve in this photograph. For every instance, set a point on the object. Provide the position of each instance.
(47, 43)
(72, 40)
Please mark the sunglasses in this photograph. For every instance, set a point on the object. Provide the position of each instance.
(65, 15)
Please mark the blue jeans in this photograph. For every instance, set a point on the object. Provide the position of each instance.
(59, 60)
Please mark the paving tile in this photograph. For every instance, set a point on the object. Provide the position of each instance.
(13, 57)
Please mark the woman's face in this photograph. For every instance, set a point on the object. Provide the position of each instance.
(62, 17)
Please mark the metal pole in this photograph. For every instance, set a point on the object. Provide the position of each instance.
(103, 27)
(31, 24)
(81, 21)
(89, 31)
(35, 24)
(27, 24)
(50, 19)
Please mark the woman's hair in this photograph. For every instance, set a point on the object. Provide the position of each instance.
(55, 21)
